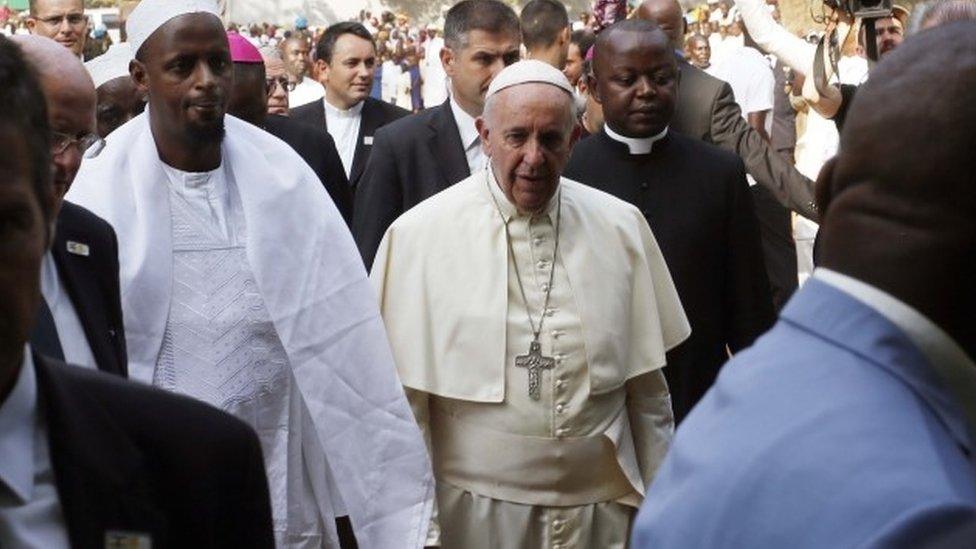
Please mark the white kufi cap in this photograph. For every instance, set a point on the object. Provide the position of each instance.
(110, 65)
(149, 15)
(529, 71)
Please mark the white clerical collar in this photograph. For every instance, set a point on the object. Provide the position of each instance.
(351, 112)
(465, 125)
(636, 145)
(508, 210)
(18, 418)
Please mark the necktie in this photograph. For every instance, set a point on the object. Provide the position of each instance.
(44, 337)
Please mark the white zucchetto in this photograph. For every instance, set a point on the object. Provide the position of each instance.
(110, 65)
(149, 15)
(529, 71)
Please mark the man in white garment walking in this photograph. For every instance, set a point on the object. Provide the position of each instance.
(242, 287)
(529, 317)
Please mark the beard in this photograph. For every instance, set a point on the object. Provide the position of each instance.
(205, 134)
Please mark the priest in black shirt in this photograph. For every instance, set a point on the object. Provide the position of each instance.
(694, 196)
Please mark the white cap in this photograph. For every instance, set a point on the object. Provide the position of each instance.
(110, 65)
(529, 71)
(149, 15)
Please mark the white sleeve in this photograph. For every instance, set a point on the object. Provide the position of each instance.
(774, 38)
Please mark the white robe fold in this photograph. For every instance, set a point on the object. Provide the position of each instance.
(314, 286)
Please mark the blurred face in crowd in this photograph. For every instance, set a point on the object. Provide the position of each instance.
(294, 52)
(528, 132)
(667, 15)
(23, 243)
(71, 115)
(64, 21)
(248, 97)
(276, 86)
(889, 34)
(699, 52)
(472, 68)
(636, 82)
(187, 72)
(348, 77)
(574, 64)
(119, 100)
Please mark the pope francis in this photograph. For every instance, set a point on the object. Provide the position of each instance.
(529, 317)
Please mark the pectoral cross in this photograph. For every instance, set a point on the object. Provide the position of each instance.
(534, 362)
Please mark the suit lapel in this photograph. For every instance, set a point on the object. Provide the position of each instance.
(101, 479)
(445, 144)
(372, 117)
(73, 252)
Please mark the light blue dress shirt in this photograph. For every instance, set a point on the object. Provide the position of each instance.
(30, 510)
(836, 429)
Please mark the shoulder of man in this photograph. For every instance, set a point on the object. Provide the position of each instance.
(443, 209)
(699, 82)
(406, 128)
(705, 155)
(78, 217)
(390, 112)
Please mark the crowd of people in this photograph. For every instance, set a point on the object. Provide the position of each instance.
(650, 277)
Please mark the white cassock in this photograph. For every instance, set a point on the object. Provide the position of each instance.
(242, 287)
(569, 469)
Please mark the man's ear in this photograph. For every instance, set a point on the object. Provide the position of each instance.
(483, 131)
(447, 60)
(322, 69)
(137, 70)
(564, 36)
(593, 89)
(31, 24)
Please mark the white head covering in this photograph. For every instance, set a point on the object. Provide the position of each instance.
(529, 70)
(110, 65)
(149, 15)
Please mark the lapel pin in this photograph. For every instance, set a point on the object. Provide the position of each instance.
(78, 248)
(367, 140)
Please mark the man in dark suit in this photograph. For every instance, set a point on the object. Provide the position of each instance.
(707, 111)
(91, 460)
(249, 102)
(345, 59)
(420, 155)
(694, 196)
(851, 423)
(80, 318)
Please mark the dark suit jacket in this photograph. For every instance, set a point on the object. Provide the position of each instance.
(697, 202)
(130, 458)
(318, 150)
(413, 159)
(707, 111)
(375, 115)
(92, 283)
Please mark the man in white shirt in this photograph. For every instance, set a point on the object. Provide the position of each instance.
(242, 288)
(80, 320)
(432, 72)
(294, 52)
(85, 459)
(752, 82)
(427, 152)
(346, 57)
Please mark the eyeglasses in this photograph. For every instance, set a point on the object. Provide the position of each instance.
(271, 83)
(74, 19)
(89, 145)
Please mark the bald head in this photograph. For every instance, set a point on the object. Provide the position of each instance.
(667, 15)
(899, 200)
(70, 97)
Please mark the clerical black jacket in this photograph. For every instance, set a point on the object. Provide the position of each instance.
(697, 202)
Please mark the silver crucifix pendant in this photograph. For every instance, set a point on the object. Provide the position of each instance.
(534, 362)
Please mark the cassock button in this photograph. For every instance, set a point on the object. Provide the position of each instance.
(645, 185)
(545, 286)
(560, 407)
